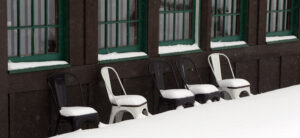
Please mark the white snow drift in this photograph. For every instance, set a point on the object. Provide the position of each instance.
(270, 115)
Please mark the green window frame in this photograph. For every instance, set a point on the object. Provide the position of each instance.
(37, 30)
(177, 22)
(122, 26)
(282, 17)
(229, 20)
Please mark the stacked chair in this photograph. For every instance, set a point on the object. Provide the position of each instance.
(202, 92)
(136, 105)
(175, 97)
(75, 115)
(236, 87)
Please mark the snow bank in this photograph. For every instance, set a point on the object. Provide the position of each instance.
(270, 115)
(27, 65)
(177, 48)
(226, 44)
(280, 38)
(114, 55)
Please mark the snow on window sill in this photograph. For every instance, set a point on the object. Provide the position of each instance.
(178, 49)
(278, 39)
(118, 57)
(23, 67)
(227, 45)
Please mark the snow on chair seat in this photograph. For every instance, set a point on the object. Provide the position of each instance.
(202, 88)
(176, 93)
(234, 83)
(129, 100)
(76, 111)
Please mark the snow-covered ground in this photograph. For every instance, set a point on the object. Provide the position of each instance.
(27, 65)
(274, 114)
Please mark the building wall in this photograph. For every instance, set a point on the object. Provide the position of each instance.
(26, 107)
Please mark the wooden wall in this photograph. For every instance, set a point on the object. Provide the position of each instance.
(26, 108)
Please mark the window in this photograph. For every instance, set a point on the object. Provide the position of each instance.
(229, 20)
(282, 17)
(177, 22)
(36, 30)
(122, 25)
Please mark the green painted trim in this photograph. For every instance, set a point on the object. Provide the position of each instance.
(176, 42)
(122, 59)
(39, 69)
(120, 49)
(230, 47)
(280, 33)
(282, 41)
(180, 53)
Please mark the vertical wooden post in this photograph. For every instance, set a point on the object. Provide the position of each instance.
(262, 15)
(91, 31)
(153, 27)
(205, 24)
(4, 123)
(76, 33)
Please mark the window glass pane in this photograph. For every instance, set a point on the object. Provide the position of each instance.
(39, 12)
(133, 10)
(11, 13)
(25, 42)
(133, 34)
(25, 12)
(188, 26)
(12, 43)
(39, 41)
(52, 14)
(179, 26)
(123, 34)
(52, 40)
(122, 10)
(101, 36)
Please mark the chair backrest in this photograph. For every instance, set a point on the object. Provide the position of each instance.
(182, 65)
(215, 65)
(107, 82)
(156, 68)
(57, 84)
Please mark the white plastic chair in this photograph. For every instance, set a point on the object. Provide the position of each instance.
(234, 86)
(134, 104)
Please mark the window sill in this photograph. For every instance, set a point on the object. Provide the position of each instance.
(181, 53)
(230, 47)
(38, 69)
(282, 41)
(122, 59)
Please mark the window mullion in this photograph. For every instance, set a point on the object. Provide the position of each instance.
(19, 24)
(32, 29)
(224, 17)
(270, 15)
(183, 24)
(117, 24)
(174, 22)
(128, 24)
(277, 14)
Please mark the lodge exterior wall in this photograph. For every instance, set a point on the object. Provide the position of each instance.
(26, 108)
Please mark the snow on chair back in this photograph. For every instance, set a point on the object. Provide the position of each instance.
(215, 65)
(106, 78)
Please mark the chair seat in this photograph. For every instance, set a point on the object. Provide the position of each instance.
(176, 93)
(234, 83)
(129, 100)
(202, 88)
(76, 111)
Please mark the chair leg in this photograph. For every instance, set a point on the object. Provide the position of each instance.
(114, 111)
(119, 116)
(57, 125)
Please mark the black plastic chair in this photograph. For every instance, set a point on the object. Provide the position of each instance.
(75, 115)
(173, 97)
(203, 92)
